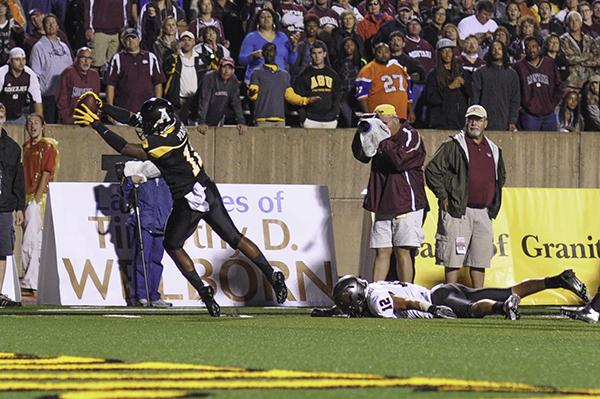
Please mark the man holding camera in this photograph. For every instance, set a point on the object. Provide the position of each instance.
(396, 189)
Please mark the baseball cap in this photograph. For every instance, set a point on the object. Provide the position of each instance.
(129, 32)
(385, 109)
(35, 11)
(476, 110)
(227, 61)
(403, 5)
(16, 52)
(445, 43)
(187, 33)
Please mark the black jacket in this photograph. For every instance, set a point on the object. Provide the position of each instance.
(12, 186)
(324, 83)
(172, 68)
(446, 108)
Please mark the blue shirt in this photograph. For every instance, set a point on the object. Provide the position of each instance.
(254, 41)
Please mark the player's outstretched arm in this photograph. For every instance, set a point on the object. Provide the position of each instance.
(85, 116)
(121, 115)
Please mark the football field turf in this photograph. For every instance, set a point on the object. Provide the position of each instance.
(279, 353)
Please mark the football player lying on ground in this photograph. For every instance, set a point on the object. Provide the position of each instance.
(589, 313)
(355, 297)
(195, 196)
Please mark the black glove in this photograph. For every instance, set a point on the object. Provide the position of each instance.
(441, 312)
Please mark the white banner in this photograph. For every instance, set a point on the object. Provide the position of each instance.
(86, 247)
(9, 280)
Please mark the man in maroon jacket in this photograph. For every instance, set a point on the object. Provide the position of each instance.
(395, 193)
(541, 89)
(74, 81)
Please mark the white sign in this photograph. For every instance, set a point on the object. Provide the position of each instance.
(87, 248)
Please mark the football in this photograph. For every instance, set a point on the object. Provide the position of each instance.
(90, 101)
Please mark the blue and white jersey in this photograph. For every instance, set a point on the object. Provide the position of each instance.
(379, 299)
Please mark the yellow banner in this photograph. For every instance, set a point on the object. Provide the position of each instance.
(538, 233)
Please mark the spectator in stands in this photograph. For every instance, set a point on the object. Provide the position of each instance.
(210, 50)
(570, 5)
(398, 23)
(348, 66)
(166, 44)
(184, 71)
(311, 35)
(569, 113)
(269, 86)
(469, 59)
(418, 48)
(548, 22)
(228, 12)
(18, 83)
(541, 88)
(527, 28)
(466, 9)
(433, 29)
(591, 104)
(205, 18)
(346, 29)
(447, 91)
(10, 32)
(511, 22)
(40, 164)
(56, 7)
(103, 22)
(344, 5)
(450, 31)
(395, 192)
(49, 58)
(496, 87)
(372, 22)
(134, 74)
(552, 49)
(466, 175)
(267, 32)
(319, 80)
(481, 24)
(292, 16)
(415, 70)
(328, 19)
(12, 191)
(151, 17)
(579, 49)
(74, 81)
(502, 35)
(589, 27)
(220, 93)
(384, 81)
(36, 31)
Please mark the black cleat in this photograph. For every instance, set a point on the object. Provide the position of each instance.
(278, 284)
(208, 297)
(7, 302)
(569, 281)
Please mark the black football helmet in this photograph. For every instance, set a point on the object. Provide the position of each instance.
(157, 114)
(350, 295)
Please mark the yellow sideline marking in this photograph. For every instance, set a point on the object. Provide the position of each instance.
(68, 376)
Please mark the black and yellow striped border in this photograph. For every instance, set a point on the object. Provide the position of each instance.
(95, 378)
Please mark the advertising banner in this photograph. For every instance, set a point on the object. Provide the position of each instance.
(87, 247)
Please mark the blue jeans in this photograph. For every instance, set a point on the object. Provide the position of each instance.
(546, 123)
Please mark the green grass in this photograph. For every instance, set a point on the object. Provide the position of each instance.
(534, 350)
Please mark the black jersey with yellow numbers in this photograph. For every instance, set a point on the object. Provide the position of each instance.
(173, 155)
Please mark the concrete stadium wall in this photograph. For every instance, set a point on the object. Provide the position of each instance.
(300, 156)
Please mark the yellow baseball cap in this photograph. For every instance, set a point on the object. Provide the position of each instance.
(385, 109)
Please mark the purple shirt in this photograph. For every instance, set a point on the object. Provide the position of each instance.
(482, 174)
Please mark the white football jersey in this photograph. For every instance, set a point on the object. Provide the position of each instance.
(379, 298)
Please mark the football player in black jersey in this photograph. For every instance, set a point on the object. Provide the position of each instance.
(195, 196)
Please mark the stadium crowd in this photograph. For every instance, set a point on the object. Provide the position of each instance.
(534, 65)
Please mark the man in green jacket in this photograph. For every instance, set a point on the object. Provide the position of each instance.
(466, 175)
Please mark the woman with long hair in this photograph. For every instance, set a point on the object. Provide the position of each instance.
(447, 90)
(151, 16)
(348, 64)
(166, 44)
(569, 113)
